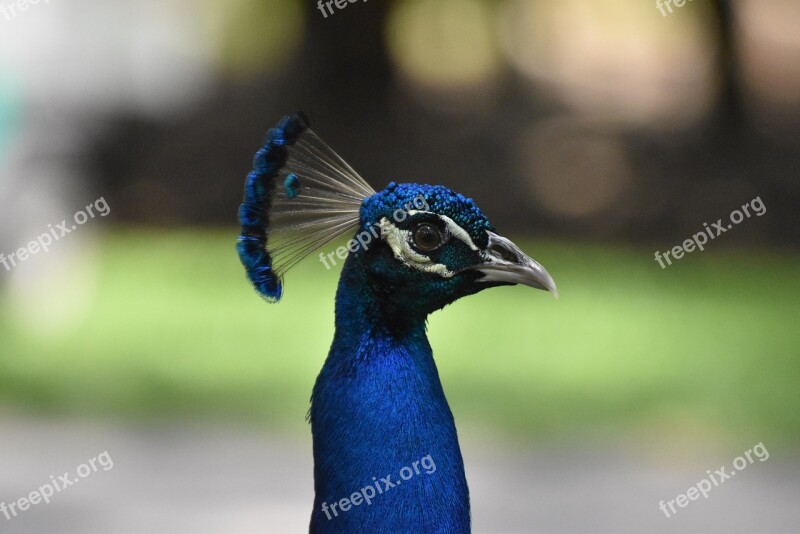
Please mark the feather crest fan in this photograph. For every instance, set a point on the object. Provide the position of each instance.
(299, 196)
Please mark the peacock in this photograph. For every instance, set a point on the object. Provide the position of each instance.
(386, 452)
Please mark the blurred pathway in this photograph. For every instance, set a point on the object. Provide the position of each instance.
(227, 480)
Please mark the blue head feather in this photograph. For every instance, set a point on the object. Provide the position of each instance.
(438, 199)
(253, 212)
(299, 195)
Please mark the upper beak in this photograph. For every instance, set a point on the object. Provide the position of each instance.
(505, 262)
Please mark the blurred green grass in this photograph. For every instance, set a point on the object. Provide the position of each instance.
(174, 330)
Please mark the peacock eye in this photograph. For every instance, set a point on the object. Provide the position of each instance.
(427, 237)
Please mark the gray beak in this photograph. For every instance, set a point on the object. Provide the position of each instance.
(505, 262)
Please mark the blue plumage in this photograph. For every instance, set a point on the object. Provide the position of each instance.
(377, 404)
(253, 216)
(439, 199)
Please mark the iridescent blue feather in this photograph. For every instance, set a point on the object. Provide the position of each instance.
(299, 196)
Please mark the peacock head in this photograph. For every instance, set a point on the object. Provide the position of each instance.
(414, 247)
(434, 246)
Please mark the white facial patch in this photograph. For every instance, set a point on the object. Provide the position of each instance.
(400, 243)
(458, 232)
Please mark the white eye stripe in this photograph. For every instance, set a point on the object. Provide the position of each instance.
(399, 241)
(455, 230)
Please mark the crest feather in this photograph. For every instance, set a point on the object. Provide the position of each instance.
(299, 196)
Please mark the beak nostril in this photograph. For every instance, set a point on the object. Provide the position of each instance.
(505, 253)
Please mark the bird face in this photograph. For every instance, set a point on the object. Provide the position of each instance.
(436, 246)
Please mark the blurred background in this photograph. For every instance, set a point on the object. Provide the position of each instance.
(594, 133)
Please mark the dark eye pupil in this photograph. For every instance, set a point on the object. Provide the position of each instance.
(426, 237)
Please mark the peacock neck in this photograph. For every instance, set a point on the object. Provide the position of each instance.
(377, 407)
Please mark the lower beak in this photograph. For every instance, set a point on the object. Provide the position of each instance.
(505, 262)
